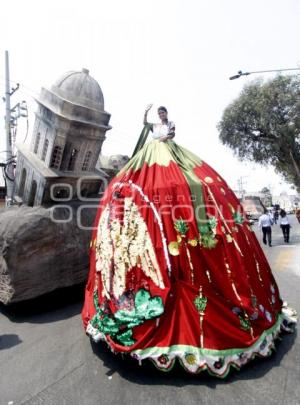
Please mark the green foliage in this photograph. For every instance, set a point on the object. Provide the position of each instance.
(265, 190)
(267, 196)
(263, 125)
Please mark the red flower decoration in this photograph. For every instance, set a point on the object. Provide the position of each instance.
(163, 359)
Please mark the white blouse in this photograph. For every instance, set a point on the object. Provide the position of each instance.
(284, 220)
(162, 130)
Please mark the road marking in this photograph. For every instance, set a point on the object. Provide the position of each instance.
(282, 261)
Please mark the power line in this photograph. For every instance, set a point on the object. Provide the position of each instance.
(28, 91)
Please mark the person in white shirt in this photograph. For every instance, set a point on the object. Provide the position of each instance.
(164, 130)
(284, 225)
(265, 222)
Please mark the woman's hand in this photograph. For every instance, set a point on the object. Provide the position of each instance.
(148, 108)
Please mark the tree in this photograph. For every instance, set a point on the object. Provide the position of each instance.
(266, 196)
(263, 125)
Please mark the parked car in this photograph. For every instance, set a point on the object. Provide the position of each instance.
(250, 218)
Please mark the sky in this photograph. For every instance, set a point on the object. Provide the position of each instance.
(176, 53)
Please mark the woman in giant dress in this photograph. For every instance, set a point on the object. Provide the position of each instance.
(176, 271)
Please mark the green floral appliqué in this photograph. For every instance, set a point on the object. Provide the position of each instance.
(238, 218)
(208, 232)
(119, 325)
(200, 303)
(181, 227)
(245, 324)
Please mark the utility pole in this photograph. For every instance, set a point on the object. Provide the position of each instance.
(271, 193)
(240, 187)
(9, 164)
(241, 184)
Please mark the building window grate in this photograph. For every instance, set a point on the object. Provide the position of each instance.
(56, 157)
(45, 148)
(72, 160)
(37, 142)
(86, 162)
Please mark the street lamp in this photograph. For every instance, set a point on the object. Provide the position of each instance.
(240, 73)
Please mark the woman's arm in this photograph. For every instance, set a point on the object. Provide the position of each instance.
(171, 133)
(145, 122)
(165, 138)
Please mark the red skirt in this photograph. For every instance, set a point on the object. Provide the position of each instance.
(176, 271)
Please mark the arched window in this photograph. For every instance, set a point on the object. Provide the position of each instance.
(56, 157)
(72, 160)
(45, 148)
(22, 182)
(86, 162)
(37, 142)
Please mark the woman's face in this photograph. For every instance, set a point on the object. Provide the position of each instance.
(163, 115)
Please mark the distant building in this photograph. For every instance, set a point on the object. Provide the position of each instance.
(286, 201)
(253, 205)
(68, 134)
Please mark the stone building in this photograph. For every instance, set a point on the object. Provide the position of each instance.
(68, 134)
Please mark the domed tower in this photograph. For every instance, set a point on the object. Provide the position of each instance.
(68, 134)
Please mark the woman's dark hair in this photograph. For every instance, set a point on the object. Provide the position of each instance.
(161, 108)
(282, 213)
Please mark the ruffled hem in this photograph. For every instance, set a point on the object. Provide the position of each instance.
(217, 362)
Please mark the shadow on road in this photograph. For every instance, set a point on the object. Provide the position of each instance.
(130, 370)
(7, 341)
(55, 306)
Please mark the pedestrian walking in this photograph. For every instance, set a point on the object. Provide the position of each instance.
(284, 225)
(298, 214)
(275, 216)
(265, 221)
(272, 216)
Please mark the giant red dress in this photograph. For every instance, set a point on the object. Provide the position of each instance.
(176, 271)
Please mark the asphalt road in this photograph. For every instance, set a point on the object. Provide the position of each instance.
(45, 357)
